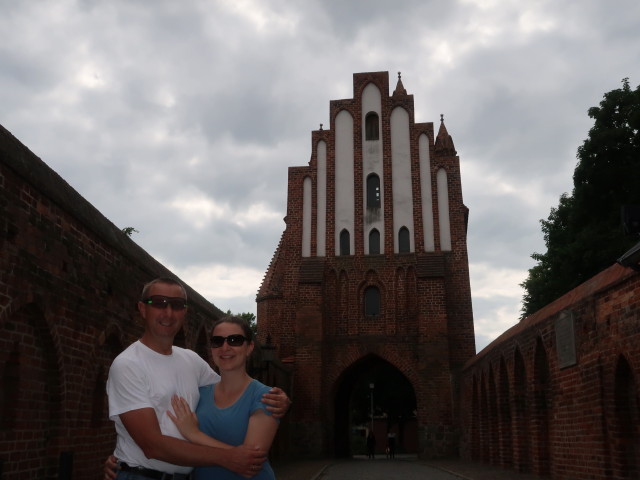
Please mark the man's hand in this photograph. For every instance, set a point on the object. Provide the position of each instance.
(111, 468)
(244, 460)
(277, 402)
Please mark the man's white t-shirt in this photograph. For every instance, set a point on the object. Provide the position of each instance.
(142, 378)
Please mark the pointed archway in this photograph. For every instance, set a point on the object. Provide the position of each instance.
(626, 422)
(393, 406)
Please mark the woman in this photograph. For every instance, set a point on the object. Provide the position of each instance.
(230, 411)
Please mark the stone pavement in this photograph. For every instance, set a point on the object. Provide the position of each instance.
(300, 470)
(479, 471)
(465, 470)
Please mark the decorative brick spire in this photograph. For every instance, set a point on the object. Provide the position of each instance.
(400, 90)
(444, 142)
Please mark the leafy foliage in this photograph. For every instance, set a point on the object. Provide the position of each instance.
(584, 233)
(249, 317)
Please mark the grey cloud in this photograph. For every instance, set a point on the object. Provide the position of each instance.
(201, 80)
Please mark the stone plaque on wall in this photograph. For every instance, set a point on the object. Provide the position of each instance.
(566, 339)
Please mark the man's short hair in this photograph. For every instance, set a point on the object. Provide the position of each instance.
(166, 280)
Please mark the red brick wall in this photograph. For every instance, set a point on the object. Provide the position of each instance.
(522, 410)
(69, 281)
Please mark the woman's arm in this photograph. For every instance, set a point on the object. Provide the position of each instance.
(261, 431)
(187, 423)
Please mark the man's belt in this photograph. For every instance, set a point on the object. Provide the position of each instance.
(155, 474)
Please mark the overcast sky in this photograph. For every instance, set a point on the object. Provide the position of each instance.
(180, 118)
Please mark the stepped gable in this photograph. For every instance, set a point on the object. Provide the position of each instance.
(272, 281)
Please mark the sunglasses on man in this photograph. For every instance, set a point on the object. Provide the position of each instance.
(162, 302)
(232, 340)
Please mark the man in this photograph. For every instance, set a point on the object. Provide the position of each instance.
(142, 380)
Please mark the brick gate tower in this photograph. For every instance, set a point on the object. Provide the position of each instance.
(371, 273)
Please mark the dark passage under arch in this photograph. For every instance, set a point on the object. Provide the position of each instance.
(394, 402)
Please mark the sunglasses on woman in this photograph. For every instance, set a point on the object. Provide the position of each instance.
(232, 340)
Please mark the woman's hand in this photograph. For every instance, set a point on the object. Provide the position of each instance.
(184, 418)
(187, 424)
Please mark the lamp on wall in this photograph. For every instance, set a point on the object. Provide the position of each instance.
(261, 360)
(631, 219)
(631, 258)
(631, 226)
(268, 350)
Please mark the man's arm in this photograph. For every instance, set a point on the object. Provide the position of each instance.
(261, 427)
(277, 401)
(143, 427)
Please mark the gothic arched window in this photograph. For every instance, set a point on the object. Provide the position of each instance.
(371, 125)
(345, 242)
(372, 301)
(374, 242)
(404, 245)
(373, 191)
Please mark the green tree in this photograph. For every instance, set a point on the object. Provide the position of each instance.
(128, 231)
(584, 233)
(249, 317)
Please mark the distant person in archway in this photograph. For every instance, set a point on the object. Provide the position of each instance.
(371, 445)
(391, 445)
